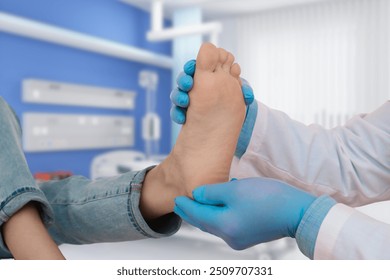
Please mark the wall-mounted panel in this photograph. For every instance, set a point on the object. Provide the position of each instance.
(24, 58)
(55, 132)
(40, 91)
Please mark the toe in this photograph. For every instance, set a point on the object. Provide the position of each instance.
(223, 56)
(235, 70)
(228, 63)
(208, 57)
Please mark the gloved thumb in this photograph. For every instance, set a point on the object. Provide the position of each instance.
(247, 91)
(216, 195)
(190, 67)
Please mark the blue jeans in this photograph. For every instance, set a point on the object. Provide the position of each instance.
(76, 210)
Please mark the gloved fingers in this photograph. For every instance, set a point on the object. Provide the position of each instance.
(186, 218)
(190, 67)
(178, 115)
(180, 98)
(216, 195)
(247, 91)
(201, 215)
(185, 82)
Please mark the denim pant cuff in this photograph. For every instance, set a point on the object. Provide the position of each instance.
(22, 196)
(163, 227)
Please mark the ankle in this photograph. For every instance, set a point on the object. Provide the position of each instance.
(171, 174)
(160, 188)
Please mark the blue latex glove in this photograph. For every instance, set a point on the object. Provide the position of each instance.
(246, 212)
(185, 82)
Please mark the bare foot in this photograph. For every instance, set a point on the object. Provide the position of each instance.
(205, 147)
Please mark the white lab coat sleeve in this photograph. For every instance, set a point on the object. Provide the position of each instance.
(347, 233)
(351, 163)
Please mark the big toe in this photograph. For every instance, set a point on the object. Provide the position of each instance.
(208, 57)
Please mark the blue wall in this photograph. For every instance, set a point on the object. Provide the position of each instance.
(22, 58)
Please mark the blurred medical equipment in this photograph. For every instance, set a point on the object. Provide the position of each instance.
(55, 132)
(151, 123)
(55, 175)
(118, 162)
(53, 93)
(61, 132)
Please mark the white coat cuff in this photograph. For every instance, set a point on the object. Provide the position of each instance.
(330, 231)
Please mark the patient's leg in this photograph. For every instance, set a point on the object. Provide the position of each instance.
(108, 210)
(205, 147)
(23, 206)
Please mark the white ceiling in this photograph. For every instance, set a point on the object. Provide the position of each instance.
(221, 8)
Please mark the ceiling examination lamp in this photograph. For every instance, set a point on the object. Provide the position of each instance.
(159, 33)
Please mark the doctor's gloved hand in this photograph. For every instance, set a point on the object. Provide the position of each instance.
(181, 100)
(246, 212)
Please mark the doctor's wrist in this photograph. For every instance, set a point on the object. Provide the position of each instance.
(309, 227)
(247, 129)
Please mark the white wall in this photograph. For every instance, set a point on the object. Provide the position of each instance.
(321, 62)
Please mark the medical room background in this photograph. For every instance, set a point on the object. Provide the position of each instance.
(90, 81)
